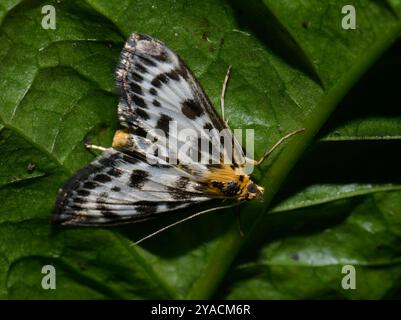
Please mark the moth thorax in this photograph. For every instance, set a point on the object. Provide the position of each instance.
(121, 140)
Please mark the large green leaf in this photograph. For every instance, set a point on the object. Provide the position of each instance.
(352, 143)
(292, 64)
(307, 262)
(310, 213)
(370, 110)
(340, 169)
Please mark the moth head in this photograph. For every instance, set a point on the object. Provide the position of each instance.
(254, 191)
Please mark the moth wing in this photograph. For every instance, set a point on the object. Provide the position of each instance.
(117, 188)
(154, 87)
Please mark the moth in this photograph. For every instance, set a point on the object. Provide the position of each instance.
(130, 183)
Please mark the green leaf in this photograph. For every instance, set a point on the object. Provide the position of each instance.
(352, 144)
(308, 262)
(6, 6)
(370, 110)
(334, 170)
(321, 193)
(396, 6)
(57, 89)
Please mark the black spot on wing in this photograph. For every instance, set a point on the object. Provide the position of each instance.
(101, 177)
(110, 214)
(179, 194)
(182, 183)
(182, 70)
(163, 123)
(80, 200)
(130, 159)
(215, 166)
(156, 103)
(153, 91)
(116, 189)
(142, 113)
(138, 178)
(115, 172)
(104, 195)
(135, 88)
(146, 209)
(208, 126)
(159, 79)
(145, 203)
(83, 192)
(90, 185)
(139, 101)
(75, 207)
(102, 198)
(199, 149)
(139, 132)
(136, 77)
(107, 212)
(173, 205)
(139, 67)
(222, 140)
(108, 161)
(147, 61)
(191, 109)
(173, 75)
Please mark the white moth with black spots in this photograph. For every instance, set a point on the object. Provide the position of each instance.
(127, 183)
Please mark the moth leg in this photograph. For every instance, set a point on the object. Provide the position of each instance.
(94, 147)
(278, 143)
(223, 93)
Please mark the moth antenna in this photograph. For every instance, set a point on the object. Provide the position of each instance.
(223, 94)
(183, 220)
